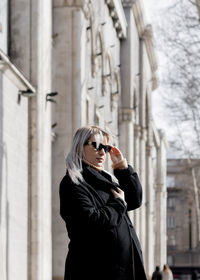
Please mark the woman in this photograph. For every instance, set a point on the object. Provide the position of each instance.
(167, 273)
(94, 204)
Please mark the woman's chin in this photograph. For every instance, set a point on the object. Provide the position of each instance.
(99, 164)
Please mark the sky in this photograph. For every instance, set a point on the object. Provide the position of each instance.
(152, 12)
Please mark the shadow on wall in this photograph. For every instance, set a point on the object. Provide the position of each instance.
(4, 205)
(1, 146)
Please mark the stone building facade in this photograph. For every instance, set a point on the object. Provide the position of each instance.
(109, 69)
(87, 62)
(183, 230)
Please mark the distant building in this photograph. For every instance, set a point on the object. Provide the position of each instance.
(183, 236)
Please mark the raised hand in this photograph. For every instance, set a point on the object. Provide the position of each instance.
(118, 161)
(115, 155)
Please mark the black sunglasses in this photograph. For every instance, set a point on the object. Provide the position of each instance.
(107, 148)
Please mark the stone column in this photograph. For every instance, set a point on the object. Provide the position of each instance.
(31, 37)
(69, 112)
(149, 260)
(126, 124)
(143, 182)
(137, 167)
(40, 237)
(78, 68)
(126, 137)
(161, 198)
(127, 117)
(126, 127)
(126, 133)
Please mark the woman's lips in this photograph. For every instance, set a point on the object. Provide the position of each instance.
(100, 159)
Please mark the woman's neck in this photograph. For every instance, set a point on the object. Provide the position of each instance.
(98, 168)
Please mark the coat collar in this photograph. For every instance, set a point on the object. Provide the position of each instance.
(97, 179)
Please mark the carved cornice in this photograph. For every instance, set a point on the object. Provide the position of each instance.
(117, 14)
(70, 3)
(115, 9)
(128, 3)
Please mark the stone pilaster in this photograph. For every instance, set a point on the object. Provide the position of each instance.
(78, 67)
(126, 117)
(137, 135)
(126, 138)
(40, 142)
(69, 114)
(127, 57)
(150, 198)
(161, 199)
(143, 182)
(70, 3)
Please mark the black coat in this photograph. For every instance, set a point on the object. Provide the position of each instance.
(103, 242)
(157, 275)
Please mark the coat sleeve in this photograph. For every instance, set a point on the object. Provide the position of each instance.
(78, 203)
(130, 184)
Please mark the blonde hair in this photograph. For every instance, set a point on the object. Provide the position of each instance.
(75, 156)
(166, 267)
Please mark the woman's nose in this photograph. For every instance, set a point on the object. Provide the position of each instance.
(102, 152)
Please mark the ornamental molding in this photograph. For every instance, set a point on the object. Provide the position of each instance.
(128, 3)
(137, 131)
(116, 12)
(149, 149)
(143, 134)
(70, 3)
(126, 115)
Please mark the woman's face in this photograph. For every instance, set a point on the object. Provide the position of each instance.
(93, 156)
